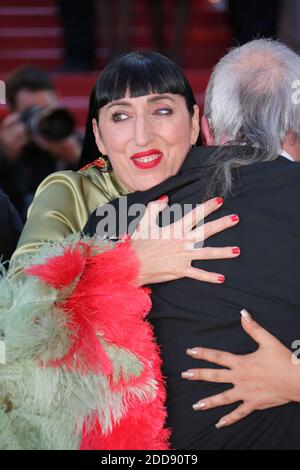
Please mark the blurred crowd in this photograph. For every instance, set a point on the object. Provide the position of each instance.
(112, 21)
(84, 20)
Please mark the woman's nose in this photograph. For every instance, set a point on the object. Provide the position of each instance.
(143, 131)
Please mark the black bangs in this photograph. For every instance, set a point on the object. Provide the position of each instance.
(141, 73)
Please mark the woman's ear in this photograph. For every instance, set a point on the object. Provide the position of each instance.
(195, 125)
(206, 132)
(98, 139)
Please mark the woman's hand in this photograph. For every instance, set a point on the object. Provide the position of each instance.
(166, 253)
(264, 379)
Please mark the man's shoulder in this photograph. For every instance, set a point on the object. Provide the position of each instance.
(207, 156)
(278, 169)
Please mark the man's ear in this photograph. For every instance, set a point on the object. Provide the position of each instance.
(206, 132)
(195, 125)
(98, 139)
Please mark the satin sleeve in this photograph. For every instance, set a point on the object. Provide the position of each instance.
(61, 206)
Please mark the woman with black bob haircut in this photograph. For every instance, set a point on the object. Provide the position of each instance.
(90, 368)
(142, 73)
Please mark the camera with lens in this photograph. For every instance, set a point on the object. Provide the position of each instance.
(53, 124)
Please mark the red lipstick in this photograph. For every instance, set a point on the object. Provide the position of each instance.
(149, 159)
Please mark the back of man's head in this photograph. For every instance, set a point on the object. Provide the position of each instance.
(251, 97)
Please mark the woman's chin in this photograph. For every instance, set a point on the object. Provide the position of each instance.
(145, 183)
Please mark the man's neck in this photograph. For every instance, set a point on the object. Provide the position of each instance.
(291, 145)
(293, 151)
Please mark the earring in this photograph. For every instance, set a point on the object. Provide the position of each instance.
(103, 163)
(100, 162)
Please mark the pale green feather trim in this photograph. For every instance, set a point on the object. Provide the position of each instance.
(44, 407)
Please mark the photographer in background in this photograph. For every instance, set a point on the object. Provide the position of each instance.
(36, 139)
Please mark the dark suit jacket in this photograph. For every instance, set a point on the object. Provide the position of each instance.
(265, 279)
(10, 227)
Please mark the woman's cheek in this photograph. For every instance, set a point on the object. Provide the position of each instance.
(179, 138)
(176, 131)
(118, 142)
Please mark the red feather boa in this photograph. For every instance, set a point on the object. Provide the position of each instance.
(106, 300)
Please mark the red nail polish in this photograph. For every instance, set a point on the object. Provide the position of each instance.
(235, 218)
(162, 198)
(219, 200)
(236, 251)
(221, 278)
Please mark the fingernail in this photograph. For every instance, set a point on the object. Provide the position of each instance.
(187, 375)
(246, 315)
(236, 251)
(162, 198)
(221, 278)
(124, 236)
(219, 200)
(199, 406)
(235, 218)
(221, 423)
(193, 351)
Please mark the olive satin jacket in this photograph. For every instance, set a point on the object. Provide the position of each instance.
(63, 203)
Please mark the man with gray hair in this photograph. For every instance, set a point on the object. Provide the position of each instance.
(252, 99)
(251, 124)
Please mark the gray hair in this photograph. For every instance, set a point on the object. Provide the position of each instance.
(249, 101)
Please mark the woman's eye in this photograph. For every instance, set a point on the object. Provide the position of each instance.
(163, 111)
(119, 117)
